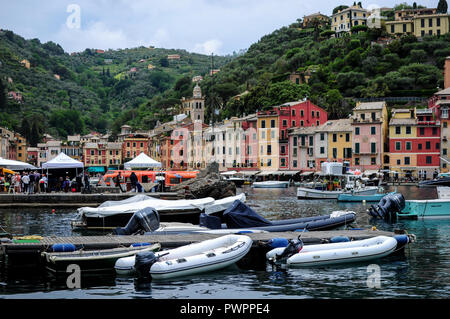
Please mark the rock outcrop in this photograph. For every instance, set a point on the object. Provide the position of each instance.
(208, 183)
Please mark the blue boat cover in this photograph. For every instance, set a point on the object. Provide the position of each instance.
(239, 215)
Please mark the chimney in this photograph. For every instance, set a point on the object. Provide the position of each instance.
(447, 73)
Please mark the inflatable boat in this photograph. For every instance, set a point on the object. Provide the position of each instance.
(187, 260)
(239, 215)
(271, 184)
(298, 255)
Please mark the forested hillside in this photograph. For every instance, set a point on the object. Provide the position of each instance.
(92, 90)
(341, 69)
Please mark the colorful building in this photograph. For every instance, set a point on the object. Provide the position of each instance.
(403, 142)
(428, 143)
(343, 20)
(369, 122)
(339, 140)
(440, 104)
(268, 140)
(303, 157)
(419, 22)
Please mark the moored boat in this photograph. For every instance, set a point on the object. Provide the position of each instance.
(271, 184)
(91, 260)
(335, 253)
(351, 197)
(311, 193)
(113, 214)
(205, 256)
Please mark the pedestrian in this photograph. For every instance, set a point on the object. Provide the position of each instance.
(31, 184)
(117, 181)
(134, 181)
(26, 182)
(43, 183)
(66, 184)
(87, 183)
(435, 174)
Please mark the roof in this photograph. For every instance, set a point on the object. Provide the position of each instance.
(370, 106)
(443, 92)
(335, 125)
(304, 130)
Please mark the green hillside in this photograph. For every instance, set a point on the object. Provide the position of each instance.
(342, 69)
(95, 91)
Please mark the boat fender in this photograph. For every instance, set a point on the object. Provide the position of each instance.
(244, 232)
(278, 242)
(339, 239)
(402, 240)
(140, 244)
(63, 248)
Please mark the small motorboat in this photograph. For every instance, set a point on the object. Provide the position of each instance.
(64, 255)
(298, 255)
(350, 197)
(443, 179)
(187, 260)
(271, 184)
(311, 193)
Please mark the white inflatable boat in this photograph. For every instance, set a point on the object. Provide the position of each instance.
(191, 259)
(342, 252)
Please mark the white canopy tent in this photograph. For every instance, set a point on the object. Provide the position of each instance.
(62, 161)
(15, 165)
(142, 161)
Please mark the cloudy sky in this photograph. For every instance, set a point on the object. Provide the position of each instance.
(203, 26)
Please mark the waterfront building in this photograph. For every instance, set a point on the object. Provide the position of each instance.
(248, 142)
(419, 22)
(5, 137)
(339, 140)
(403, 144)
(195, 144)
(133, 145)
(369, 123)
(303, 157)
(268, 140)
(428, 143)
(32, 156)
(440, 104)
(343, 20)
(73, 147)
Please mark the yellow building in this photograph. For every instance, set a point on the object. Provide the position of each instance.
(343, 20)
(339, 139)
(419, 22)
(321, 18)
(21, 147)
(268, 145)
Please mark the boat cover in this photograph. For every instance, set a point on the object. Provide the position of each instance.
(138, 202)
(239, 215)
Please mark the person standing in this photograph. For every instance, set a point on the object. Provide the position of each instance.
(31, 183)
(87, 183)
(26, 182)
(134, 182)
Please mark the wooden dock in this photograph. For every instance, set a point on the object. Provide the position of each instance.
(58, 200)
(28, 250)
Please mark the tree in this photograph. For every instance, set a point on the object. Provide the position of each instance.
(442, 6)
(3, 98)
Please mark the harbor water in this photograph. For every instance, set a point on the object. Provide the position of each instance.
(422, 272)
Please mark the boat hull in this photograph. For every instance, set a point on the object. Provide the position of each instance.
(205, 256)
(338, 253)
(270, 184)
(91, 261)
(310, 193)
(434, 208)
(360, 198)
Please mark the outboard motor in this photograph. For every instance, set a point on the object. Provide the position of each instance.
(388, 207)
(143, 263)
(291, 249)
(144, 220)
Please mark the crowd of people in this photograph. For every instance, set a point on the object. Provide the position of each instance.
(34, 182)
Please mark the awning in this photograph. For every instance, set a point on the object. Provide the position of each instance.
(96, 169)
(267, 173)
(229, 173)
(249, 173)
(370, 172)
(289, 172)
(307, 173)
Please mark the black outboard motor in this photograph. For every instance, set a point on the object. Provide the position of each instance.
(143, 262)
(144, 220)
(291, 249)
(388, 207)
